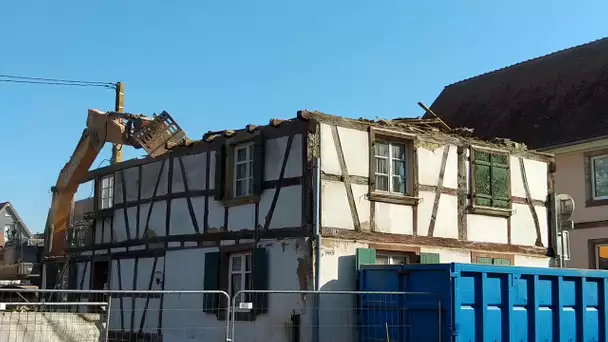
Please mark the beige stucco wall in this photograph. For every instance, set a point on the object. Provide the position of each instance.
(570, 179)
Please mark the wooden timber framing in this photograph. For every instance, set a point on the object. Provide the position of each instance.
(438, 188)
(345, 177)
(524, 177)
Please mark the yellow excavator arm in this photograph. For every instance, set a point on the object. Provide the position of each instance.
(155, 135)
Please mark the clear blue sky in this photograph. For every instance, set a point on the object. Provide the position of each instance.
(224, 64)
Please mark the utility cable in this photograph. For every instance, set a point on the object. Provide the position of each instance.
(109, 86)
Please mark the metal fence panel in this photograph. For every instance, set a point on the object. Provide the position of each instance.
(336, 316)
(125, 316)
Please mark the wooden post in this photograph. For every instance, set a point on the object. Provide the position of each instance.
(118, 107)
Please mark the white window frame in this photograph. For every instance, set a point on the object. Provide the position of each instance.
(106, 202)
(242, 271)
(392, 256)
(391, 173)
(593, 193)
(249, 158)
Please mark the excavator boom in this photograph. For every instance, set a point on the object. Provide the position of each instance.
(155, 135)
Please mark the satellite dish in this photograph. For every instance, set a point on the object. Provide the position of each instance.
(565, 206)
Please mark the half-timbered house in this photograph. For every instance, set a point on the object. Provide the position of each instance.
(299, 204)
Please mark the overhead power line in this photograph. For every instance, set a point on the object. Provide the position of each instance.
(55, 81)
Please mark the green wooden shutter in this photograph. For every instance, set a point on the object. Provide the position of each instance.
(483, 188)
(259, 150)
(500, 178)
(484, 260)
(211, 282)
(220, 174)
(261, 278)
(429, 258)
(365, 256)
(501, 261)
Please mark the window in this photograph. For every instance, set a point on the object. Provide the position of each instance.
(490, 179)
(599, 177)
(232, 269)
(491, 258)
(239, 274)
(601, 253)
(383, 258)
(391, 161)
(106, 193)
(243, 169)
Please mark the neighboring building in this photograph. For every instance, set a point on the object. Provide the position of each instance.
(20, 251)
(555, 103)
(236, 210)
(12, 227)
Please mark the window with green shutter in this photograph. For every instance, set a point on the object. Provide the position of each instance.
(491, 259)
(490, 179)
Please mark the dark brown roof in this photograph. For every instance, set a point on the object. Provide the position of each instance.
(555, 99)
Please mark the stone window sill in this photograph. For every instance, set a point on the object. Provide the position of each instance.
(490, 211)
(377, 196)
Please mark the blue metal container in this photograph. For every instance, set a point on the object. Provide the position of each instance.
(471, 302)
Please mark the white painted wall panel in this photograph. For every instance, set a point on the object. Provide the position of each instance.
(524, 260)
(355, 145)
(335, 212)
(216, 214)
(429, 162)
(275, 153)
(288, 210)
(484, 228)
(536, 173)
(181, 222)
(395, 219)
(241, 217)
(425, 210)
(446, 223)
(522, 225)
(157, 213)
(195, 166)
(149, 179)
(361, 203)
(450, 177)
(329, 155)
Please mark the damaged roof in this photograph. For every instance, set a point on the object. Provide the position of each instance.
(431, 128)
(546, 101)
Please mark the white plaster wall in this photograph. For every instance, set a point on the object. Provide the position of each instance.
(241, 217)
(288, 210)
(149, 177)
(429, 162)
(528, 261)
(329, 155)
(387, 215)
(157, 222)
(195, 166)
(522, 225)
(536, 174)
(275, 153)
(355, 144)
(483, 228)
(185, 321)
(126, 283)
